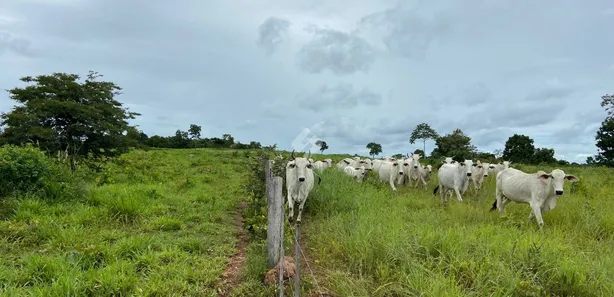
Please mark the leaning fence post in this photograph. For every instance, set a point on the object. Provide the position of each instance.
(297, 259)
(274, 215)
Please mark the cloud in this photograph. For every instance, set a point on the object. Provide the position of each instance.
(17, 45)
(341, 96)
(340, 52)
(271, 33)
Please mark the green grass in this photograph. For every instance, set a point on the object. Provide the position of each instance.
(160, 226)
(370, 241)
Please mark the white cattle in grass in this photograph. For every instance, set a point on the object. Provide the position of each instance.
(319, 165)
(299, 182)
(344, 163)
(478, 173)
(448, 160)
(454, 177)
(389, 171)
(367, 163)
(491, 169)
(329, 162)
(540, 190)
(500, 167)
(356, 172)
(415, 170)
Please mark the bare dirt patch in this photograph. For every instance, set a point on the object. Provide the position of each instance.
(230, 277)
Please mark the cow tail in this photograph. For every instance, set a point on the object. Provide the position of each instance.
(319, 180)
(435, 190)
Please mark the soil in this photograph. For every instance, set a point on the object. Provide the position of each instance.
(230, 277)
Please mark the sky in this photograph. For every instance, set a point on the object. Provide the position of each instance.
(347, 72)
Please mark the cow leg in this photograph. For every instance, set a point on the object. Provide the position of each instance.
(391, 182)
(458, 194)
(537, 212)
(290, 206)
(442, 189)
(423, 181)
(300, 210)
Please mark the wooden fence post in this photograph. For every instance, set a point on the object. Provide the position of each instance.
(275, 222)
(278, 186)
(297, 259)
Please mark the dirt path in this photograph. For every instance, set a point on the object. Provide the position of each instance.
(230, 277)
(318, 290)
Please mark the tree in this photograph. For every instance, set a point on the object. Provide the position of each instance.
(419, 151)
(398, 156)
(605, 143)
(180, 140)
(456, 145)
(374, 149)
(61, 113)
(194, 131)
(423, 131)
(323, 145)
(544, 156)
(519, 149)
(498, 153)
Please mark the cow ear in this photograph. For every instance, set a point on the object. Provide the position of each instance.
(572, 178)
(356, 168)
(544, 177)
(475, 164)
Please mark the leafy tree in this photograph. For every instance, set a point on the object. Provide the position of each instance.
(398, 156)
(423, 131)
(180, 140)
(194, 131)
(519, 149)
(62, 114)
(374, 149)
(544, 155)
(419, 151)
(605, 143)
(590, 160)
(456, 145)
(254, 145)
(607, 102)
(498, 153)
(485, 157)
(323, 145)
(228, 140)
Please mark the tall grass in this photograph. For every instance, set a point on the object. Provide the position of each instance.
(373, 242)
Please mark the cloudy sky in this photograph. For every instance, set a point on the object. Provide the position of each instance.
(351, 72)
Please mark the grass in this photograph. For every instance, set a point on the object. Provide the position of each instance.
(161, 225)
(370, 241)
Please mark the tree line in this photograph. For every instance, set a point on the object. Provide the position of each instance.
(61, 114)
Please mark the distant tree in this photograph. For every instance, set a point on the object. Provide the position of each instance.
(424, 132)
(544, 155)
(158, 141)
(374, 149)
(61, 113)
(323, 145)
(228, 139)
(419, 151)
(562, 162)
(485, 157)
(590, 160)
(180, 140)
(398, 156)
(194, 131)
(605, 143)
(456, 145)
(519, 149)
(254, 145)
(607, 102)
(498, 153)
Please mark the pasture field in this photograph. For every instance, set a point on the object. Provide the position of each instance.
(370, 241)
(160, 223)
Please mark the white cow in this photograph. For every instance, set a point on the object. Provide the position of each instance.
(356, 172)
(299, 182)
(389, 172)
(540, 190)
(500, 167)
(415, 170)
(329, 162)
(454, 177)
(448, 160)
(426, 172)
(344, 163)
(320, 165)
(478, 173)
(367, 163)
(491, 169)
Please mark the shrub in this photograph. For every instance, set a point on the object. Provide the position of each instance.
(27, 170)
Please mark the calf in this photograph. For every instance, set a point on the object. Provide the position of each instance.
(389, 171)
(500, 167)
(299, 182)
(319, 165)
(540, 190)
(454, 177)
(356, 172)
(478, 173)
(426, 172)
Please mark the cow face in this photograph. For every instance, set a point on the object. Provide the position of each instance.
(300, 167)
(556, 179)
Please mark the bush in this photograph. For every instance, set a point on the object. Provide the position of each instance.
(26, 170)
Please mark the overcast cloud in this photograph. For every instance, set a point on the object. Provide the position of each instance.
(352, 71)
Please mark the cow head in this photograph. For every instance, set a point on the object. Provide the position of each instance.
(466, 166)
(556, 179)
(448, 160)
(486, 166)
(299, 166)
(415, 158)
(395, 165)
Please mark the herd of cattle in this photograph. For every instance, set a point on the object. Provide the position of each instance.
(540, 190)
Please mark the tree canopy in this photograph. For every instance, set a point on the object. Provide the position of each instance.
(60, 113)
(424, 132)
(374, 148)
(519, 149)
(456, 145)
(323, 145)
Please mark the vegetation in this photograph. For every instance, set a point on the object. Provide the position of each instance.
(374, 148)
(424, 132)
(520, 149)
(456, 145)
(152, 224)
